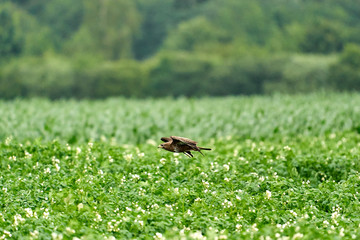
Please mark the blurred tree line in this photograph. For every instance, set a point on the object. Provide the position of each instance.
(140, 48)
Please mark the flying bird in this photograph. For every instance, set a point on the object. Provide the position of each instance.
(181, 144)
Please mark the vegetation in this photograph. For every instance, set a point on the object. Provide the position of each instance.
(136, 121)
(281, 168)
(95, 49)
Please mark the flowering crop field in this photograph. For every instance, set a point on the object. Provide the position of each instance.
(281, 168)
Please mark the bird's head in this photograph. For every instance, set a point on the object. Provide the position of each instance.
(161, 145)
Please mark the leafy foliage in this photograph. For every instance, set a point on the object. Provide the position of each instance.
(298, 181)
(233, 47)
(345, 74)
(137, 121)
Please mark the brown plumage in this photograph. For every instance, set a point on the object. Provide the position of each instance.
(180, 144)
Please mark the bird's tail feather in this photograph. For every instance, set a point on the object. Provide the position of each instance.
(202, 148)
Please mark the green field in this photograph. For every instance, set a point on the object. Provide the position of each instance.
(282, 167)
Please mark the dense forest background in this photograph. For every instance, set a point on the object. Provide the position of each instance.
(142, 48)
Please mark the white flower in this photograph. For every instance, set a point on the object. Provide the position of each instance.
(254, 228)
(8, 141)
(159, 236)
(56, 236)
(335, 215)
(293, 213)
(169, 206)
(18, 219)
(226, 179)
(78, 150)
(7, 233)
(80, 206)
(332, 136)
(236, 152)
(151, 142)
(57, 167)
(109, 238)
(47, 170)
(69, 230)
(46, 214)
(162, 161)
(226, 167)
(29, 212)
(28, 155)
(297, 236)
(268, 194)
(35, 234)
(55, 160)
(197, 235)
(141, 155)
(189, 212)
(205, 183)
(287, 148)
(135, 177)
(342, 232)
(128, 157)
(227, 204)
(98, 217)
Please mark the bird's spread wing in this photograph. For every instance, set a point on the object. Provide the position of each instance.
(183, 141)
(166, 139)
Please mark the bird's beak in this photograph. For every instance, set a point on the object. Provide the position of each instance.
(160, 146)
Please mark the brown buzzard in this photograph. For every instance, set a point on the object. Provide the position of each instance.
(180, 144)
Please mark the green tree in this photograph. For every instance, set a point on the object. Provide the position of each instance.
(179, 74)
(241, 19)
(300, 73)
(108, 29)
(194, 33)
(46, 76)
(345, 75)
(64, 18)
(157, 19)
(20, 33)
(121, 78)
(10, 41)
(186, 4)
(322, 37)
